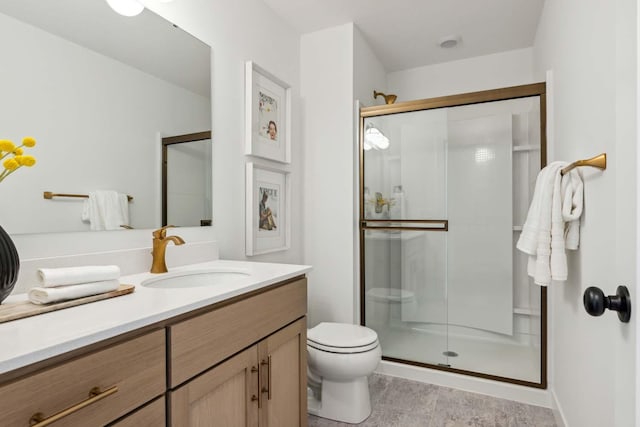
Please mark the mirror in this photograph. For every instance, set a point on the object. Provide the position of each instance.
(98, 92)
(186, 179)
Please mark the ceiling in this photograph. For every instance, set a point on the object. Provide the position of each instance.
(406, 33)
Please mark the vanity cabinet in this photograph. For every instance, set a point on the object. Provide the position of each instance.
(239, 362)
(91, 390)
(248, 359)
(260, 386)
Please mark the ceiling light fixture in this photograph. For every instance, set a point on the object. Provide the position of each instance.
(449, 42)
(126, 7)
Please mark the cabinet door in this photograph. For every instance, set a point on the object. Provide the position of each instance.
(225, 396)
(283, 377)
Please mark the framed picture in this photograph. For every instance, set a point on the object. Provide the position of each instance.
(268, 115)
(268, 194)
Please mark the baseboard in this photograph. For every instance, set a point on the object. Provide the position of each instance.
(561, 421)
(518, 393)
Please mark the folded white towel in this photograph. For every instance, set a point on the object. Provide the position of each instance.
(52, 277)
(106, 210)
(62, 293)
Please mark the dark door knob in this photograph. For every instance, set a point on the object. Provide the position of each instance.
(595, 302)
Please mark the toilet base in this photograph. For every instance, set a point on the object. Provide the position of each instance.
(347, 402)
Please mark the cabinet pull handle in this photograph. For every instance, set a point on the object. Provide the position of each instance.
(253, 397)
(268, 388)
(95, 394)
(269, 378)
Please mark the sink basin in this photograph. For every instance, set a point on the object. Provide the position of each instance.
(196, 278)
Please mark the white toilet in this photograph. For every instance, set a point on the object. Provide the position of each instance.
(340, 358)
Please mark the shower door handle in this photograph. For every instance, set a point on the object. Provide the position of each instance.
(595, 302)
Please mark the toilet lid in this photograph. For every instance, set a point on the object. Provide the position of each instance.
(342, 335)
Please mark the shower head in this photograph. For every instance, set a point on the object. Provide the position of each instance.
(389, 99)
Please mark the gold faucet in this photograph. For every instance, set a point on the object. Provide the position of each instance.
(160, 242)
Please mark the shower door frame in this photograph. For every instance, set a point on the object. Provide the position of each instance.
(502, 94)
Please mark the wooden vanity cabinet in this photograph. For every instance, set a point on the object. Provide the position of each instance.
(241, 362)
(255, 363)
(125, 376)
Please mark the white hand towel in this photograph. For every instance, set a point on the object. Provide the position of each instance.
(106, 210)
(62, 293)
(572, 206)
(52, 277)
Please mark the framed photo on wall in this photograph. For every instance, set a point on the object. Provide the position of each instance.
(268, 195)
(267, 115)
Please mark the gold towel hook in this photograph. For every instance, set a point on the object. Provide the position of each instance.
(599, 161)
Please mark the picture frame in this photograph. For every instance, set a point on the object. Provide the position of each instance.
(267, 115)
(268, 207)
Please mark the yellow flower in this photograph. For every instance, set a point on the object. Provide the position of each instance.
(11, 164)
(27, 160)
(28, 141)
(18, 151)
(6, 145)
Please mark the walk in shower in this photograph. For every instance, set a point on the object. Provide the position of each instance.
(445, 185)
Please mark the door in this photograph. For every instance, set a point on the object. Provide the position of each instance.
(283, 377)
(225, 396)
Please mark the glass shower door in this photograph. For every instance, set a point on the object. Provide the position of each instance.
(404, 245)
(444, 194)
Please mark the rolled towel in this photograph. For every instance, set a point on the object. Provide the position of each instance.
(52, 277)
(61, 293)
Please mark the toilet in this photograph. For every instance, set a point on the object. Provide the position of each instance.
(340, 358)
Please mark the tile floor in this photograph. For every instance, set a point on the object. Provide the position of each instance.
(402, 403)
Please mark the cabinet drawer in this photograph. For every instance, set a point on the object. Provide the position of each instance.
(152, 415)
(205, 340)
(135, 369)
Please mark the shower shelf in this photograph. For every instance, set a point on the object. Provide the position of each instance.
(526, 148)
(526, 311)
(517, 228)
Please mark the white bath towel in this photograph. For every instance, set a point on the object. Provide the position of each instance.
(542, 236)
(43, 295)
(106, 210)
(52, 277)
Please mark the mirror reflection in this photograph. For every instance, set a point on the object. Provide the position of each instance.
(99, 92)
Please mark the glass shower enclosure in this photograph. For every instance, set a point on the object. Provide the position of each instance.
(445, 185)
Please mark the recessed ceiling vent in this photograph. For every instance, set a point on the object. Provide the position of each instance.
(449, 42)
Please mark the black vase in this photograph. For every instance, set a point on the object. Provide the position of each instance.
(9, 265)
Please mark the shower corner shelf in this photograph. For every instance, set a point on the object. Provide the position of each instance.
(526, 311)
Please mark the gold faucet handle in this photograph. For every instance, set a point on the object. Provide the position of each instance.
(161, 232)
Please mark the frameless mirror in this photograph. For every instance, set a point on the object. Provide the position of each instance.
(98, 91)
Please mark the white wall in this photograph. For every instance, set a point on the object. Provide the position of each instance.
(96, 122)
(337, 67)
(326, 67)
(237, 32)
(503, 69)
(590, 47)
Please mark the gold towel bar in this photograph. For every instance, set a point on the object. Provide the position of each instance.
(50, 195)
(599, 161)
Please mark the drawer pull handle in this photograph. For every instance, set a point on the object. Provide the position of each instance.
(39, 420)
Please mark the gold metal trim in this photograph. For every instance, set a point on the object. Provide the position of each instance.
(599, 161)
(513, 92)
(386, 224)
(95, 394)
(49, 195)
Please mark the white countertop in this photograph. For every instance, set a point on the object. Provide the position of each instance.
(33, 339)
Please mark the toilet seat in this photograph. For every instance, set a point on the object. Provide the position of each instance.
(342, 338)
